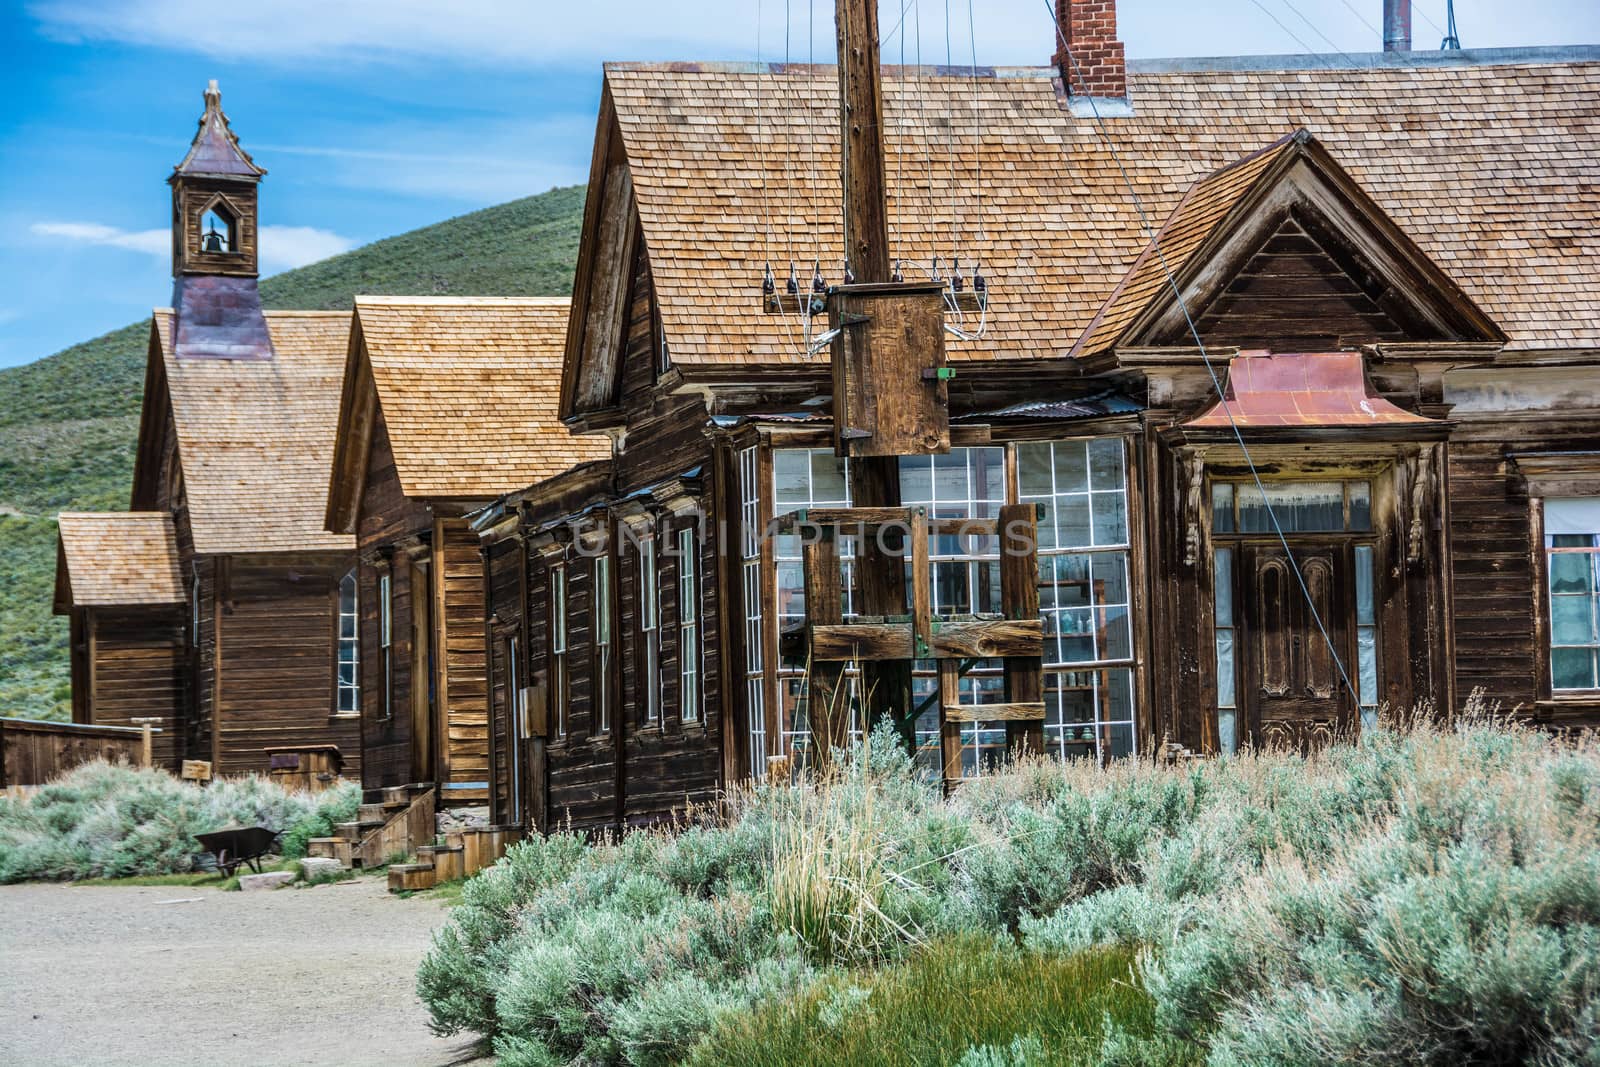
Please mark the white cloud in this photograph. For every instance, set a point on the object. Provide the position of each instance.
(155, 242)
(282, 247)
(286, 247)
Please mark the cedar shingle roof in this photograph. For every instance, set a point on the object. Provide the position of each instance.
(118, 559)
(1491, 169)
(468, 389)
(256, 436)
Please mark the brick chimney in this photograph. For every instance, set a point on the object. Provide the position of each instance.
(1096, 66)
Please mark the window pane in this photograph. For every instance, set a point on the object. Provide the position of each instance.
(1571, 572)
(1033, 470)
(1222, 569)
(1072, 522)
(1367, 656)
(791, 478)
(1572, 515)
(1360, 506)
(827, 477)
(1110, 519)
(1226, 696)
(1572, 668)
(1228, 730)
(1110, 578)
(1115, 642)
(1364, 605)
(1299, 507)
(1222, 507)
(1572, 620)
(1105, 463)
(1072, 466)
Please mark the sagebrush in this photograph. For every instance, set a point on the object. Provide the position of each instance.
(104, 820)
(1423, 895)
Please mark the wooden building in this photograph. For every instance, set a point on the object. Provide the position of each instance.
(118, 579)
(447, 404)
(235, 444)
(1351, 470)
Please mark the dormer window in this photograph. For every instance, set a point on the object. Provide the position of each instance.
(218, 230)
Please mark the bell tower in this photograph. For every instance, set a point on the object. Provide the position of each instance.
(214, 200)
(214, 245)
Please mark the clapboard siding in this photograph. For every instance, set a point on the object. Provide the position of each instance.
(503, 566)
(1496, 599)
(277, 687)
(140, 668)
(465, 660)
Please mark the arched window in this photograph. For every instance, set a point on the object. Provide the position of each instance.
(349, 647)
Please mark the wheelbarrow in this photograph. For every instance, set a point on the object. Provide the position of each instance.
(234, 846)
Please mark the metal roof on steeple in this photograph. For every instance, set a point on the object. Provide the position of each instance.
(215, 151)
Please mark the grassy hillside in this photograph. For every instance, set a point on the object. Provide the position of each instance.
(68, 422)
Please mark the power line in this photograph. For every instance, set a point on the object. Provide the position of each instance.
(1205, 356)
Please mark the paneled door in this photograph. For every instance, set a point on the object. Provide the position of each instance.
(1294, 689)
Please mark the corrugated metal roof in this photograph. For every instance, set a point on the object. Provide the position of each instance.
(1097, 405)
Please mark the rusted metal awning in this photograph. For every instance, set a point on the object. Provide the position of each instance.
(1285, 390)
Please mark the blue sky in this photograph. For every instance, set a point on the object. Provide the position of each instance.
(377, 116)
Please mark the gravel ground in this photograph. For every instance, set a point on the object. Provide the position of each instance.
(92, 976)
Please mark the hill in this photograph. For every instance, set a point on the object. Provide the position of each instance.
(68, 423)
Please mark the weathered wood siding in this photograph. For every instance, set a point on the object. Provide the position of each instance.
(32, 753)
(276, 686)
(503, 567)
(463, 661)
(1496, 583)
(139, 670)
(386, 732)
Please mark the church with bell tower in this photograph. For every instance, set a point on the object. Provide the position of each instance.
(218, 605)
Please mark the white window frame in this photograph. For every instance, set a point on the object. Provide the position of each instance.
(347, 647)
(386, 641)
(650, 628)
(604, 641)
(1580, 508)
(559, 677)
(690, 679)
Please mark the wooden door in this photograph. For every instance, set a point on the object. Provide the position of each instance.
(1292, 684)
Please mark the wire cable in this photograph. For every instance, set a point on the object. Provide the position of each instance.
(1205, 356)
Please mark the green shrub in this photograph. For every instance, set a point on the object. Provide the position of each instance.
(1423, 895)
(104, 820)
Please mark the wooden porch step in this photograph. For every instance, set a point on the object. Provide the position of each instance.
(333, 848)
(409, 877)
(355, 831)
(449, 863)
(374, 813)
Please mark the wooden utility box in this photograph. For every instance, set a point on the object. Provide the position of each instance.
(891, 395)
(306, 768)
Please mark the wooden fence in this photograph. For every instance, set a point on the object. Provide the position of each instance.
(33, 752)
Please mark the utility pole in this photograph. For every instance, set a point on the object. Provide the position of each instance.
(874, 476)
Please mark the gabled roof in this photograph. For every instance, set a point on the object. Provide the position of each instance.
(215, 151)
(1488, 167)
(1211, 214)
(1301, 389)
(466, 388)
(255, 437)
(116, 559)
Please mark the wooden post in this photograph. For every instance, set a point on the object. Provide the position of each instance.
(866, 213)
(826, 705)
(147, 748)
(1019, 595)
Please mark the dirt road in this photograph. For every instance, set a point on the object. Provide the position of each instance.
(94, 976)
